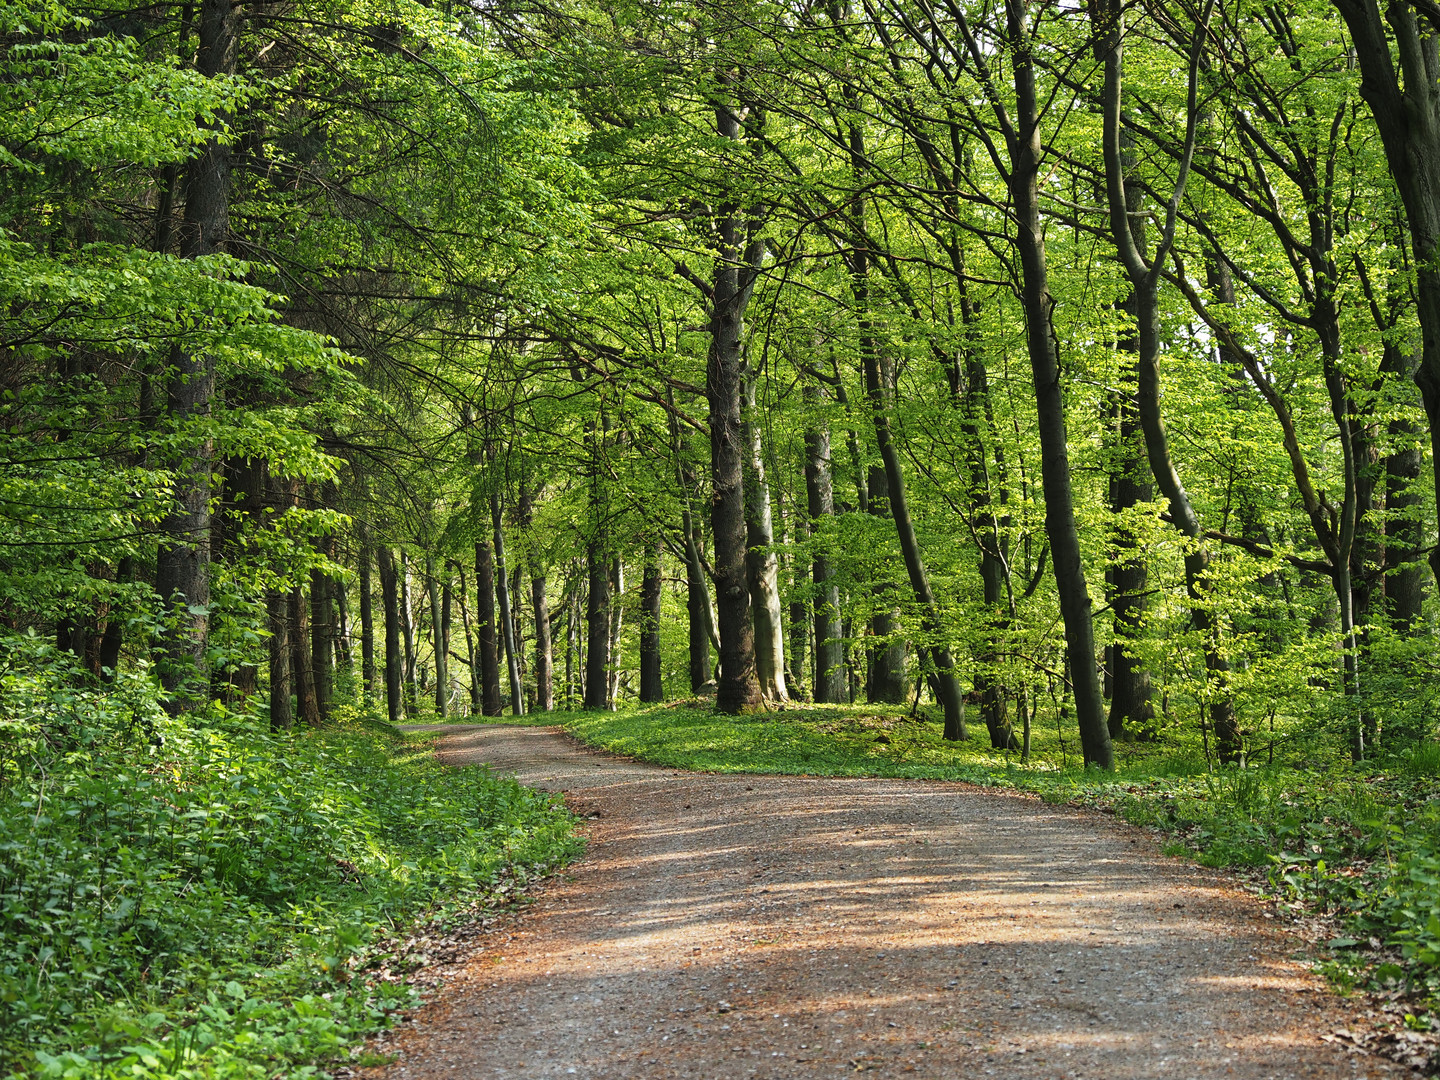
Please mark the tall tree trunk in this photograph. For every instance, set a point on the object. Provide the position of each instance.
(830, 679)
(1404, 581)
(407, 627)
(697, 599)
(485, 629)
(277, 609)
(472, 661)
(797, 653)
(651, 686)
(323, 628)
(886, 681)
(1039, 305)
(737, 265)
(306, 700)
(597, 627)
(367, 617)
(440, 627)
(394, 664)
(617, 617)
(507, 621)
(544, 649)
(762, 569)
(182, 571)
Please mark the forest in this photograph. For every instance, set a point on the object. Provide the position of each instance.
(1063, 377)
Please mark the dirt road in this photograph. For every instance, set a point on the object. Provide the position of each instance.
(769, 927)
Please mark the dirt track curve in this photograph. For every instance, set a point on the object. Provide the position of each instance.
(788, 927)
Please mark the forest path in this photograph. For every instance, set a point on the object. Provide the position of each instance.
(788, 927)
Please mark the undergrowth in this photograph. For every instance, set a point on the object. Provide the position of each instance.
(201, 898)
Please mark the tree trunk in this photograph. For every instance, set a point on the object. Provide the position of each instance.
(367, 619)
(507, 621)
(544, 649)
(651, 686)
(471, 660)
(617, 615)
(485, 630)
(762, 569)
(407, 627)
(323, 629)
(697, 603)
(390, 601)
(282, 713)
(737, 265)
(597, 628)
(306, 700)
(1404, 581)
(440, 628)
(886, 681)
(182, 570)
(797, 652)
(830, 680)
(1039, 305)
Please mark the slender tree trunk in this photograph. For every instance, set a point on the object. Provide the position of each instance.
(367, 618)
(485, 630)
(762, 569)
(182, 572)
(471, 660)
(617, 616)
(390, 601)
(440, 627)
(697, 603)
(407, 627)
(282, 713)
(651, 685)
(507, 621)
(830, 680)
(597, 624)
(544, 649)
(800, 618)
(323, 629)
(306, 700)
(886, 681)
(1404, 581)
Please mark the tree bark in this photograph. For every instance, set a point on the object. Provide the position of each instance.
(407, 628)
(472, 661)
(485, 630)
(1025, 162)
(886, 681)
(597, 627)
(830, 682)
(651, 685)
(544, 648)
(394, 664)
(367, 617)
(617, 616)
(737, 264)
(1404, 581)
(282, 713)
(182, 571)
(762, 569)
(440, 627)
(306, 701)
(507, 621)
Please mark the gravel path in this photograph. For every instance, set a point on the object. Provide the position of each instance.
(769, 927)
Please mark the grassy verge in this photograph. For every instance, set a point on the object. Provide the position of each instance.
(209, 900)
(1358, 843)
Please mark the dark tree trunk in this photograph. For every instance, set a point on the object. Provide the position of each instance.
(472, 661)
(885, 681)
(651, 686)
(182, 571)
(114, 635)
(507, 621)
(485, 630)
(1404, 581)
(797, 653)
(277, 609)
(407, 629)
(323, 628)
(830, 680)
(597, 628)
(394, 664)
(736, 268)
(367, 619)
(306, 701)
(440, 629)
(617, 616)
(697, 597)
(1039, 305)
(539, 605)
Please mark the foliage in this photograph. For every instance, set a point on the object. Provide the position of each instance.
(204, 898)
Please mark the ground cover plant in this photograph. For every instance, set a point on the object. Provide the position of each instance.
(1357, 842)
(207, 899)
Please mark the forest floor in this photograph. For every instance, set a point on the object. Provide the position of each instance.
(788, 927)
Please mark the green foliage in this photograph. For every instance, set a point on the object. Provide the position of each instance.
(203, 898)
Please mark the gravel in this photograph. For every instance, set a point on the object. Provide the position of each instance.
(769, 927)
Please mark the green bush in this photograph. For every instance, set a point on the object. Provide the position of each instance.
(198, 898)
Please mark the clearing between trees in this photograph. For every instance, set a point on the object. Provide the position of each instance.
(762, 926)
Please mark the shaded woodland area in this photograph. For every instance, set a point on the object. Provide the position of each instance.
(1018, 363)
